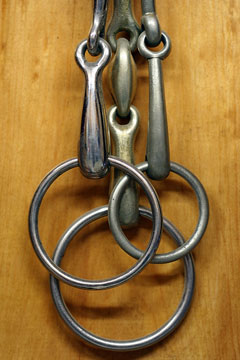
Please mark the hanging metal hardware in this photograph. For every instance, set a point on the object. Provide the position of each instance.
(93, 146)
(123, 20)
(157, 153)
(98, 26)
(123, 77)
(150, 23)
(123, 138)
(94, 161)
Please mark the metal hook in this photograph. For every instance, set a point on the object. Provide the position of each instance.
(150, 23)
(98, 26)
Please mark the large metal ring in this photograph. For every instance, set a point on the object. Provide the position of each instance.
(125, 244)
(139, 343)
(95, 284)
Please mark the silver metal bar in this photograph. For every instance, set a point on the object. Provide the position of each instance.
(93, 145)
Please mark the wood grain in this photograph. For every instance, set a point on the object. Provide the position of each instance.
(41, 98)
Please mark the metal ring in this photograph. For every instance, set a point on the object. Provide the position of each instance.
(100, 63)
(182, 250)
(148, 54)
(95, 284)
(139, 343)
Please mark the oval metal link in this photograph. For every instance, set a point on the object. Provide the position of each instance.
(123, 77)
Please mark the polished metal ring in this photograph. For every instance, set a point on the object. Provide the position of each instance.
(95, 284)
(139, 343)
(149, 54)
(125, 244)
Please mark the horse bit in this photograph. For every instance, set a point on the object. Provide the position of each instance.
(94, 161)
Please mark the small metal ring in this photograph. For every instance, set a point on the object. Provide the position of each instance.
(133, 34)
(101, 62)
(148, 54)
(174, 255)
(139, 343)
(138, 176)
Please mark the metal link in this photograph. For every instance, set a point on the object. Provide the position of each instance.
(93, 144)
(157, 153)
(123, 20)
(123, 137)
(150, 23)
(94, 161)
(98, 26)
(123, 77)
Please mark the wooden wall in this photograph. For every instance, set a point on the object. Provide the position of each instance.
(40, 105)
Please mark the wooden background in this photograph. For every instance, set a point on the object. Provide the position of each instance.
(41, 97)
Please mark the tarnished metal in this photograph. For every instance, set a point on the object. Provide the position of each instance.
(150, 23)
(157, 153)
(194, 239)
(123, 345)
(72, 280)
(98, 26)
(93, 145)
(123, 20)
(123, 77)
(94, 161)
(123, 138)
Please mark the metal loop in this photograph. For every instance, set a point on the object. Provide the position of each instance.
(123, 20)
(98, 26)
(151, 25)
(135, 344)
(188, 245)
(100, 63)
(149, 54)
(95, 284)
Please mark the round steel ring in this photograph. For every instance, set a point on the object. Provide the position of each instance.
(149, 54)
(183, 249)
(127, 345)
(95, 284)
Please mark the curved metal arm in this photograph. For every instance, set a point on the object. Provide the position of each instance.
(150, 23)
(98, 26)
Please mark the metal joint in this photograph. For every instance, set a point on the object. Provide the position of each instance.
(98, 26)
(123, 20)
(123, 77)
